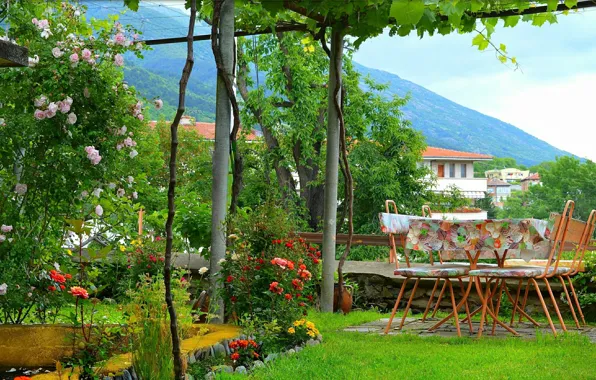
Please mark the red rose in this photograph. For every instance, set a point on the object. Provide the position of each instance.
(288, 296)
(57, 277)
(298, 295)
(309, 297)
(233, 298)
(157, 238)
(290, 245)
(304, 274)
(315, 261)
(318, 253)
(68, 276)
(261, 261)
(258, 267)
(79, 292)
(312, 249)
(152, 258)
(233, 345)
(290, 265)
(253, 343)
(235, 356)
(301, 304)
(246, 268)
(62, 287)
(297, 284)
(230, 279)
(52, 288)
(274, 288)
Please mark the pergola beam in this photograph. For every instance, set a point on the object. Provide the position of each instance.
(13, 55)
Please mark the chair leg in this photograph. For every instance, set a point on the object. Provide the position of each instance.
(550, 321)
(518, 308)
(403, 320)
(439, 300)
(498, 306)
(467, 306)
(523, 306)
(552, 297)
(484, 303)
(569, 302)
(401, 293)
(453, 304)
(519, 284)
(581, 313)
(430, 301)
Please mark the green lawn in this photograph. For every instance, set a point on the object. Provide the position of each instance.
(369, 356)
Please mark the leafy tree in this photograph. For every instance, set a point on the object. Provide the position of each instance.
(487, 205)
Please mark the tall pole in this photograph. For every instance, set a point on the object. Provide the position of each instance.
(331, 171)
(221, 155)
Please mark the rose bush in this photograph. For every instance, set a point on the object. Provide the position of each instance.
(269, 274)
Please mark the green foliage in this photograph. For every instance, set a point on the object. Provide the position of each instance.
(496, 163)
(487, 205)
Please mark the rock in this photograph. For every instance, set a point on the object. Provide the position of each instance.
(126, 375)
(242, 337)
(291, 351)
(219, 350)
(107, 378)
(134, 374)
(312, 342)
(271, 357)
(200, 354)
(320, 338)
(258, 364)
(297, 348)
(191, 359)
(210, 376)
(227, 347)
(225, 368)
(241, 369)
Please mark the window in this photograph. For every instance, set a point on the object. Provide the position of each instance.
(452, 170)
(464, 172)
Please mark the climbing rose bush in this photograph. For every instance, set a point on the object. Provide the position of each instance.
(69, 126)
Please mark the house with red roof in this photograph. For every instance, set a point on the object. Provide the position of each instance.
(456, 168)
(531, 180)
(207, 130)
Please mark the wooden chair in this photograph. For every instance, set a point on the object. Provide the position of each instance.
(579, 233)
(528, 273)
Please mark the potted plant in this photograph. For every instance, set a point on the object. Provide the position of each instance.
(344, 301)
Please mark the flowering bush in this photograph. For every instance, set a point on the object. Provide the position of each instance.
(268, 274)
(301, 331)
(244, 352)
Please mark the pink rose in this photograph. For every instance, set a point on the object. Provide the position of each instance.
(120, 39)
(40, 101)
(99, 210)
(50, 114)
(74, 58)
(20, 188)
(86, 54)
(39, 114)
(140, 117)
(53, 107)
(5, 228)
(118, 60)
(57, 53)
(93, 155)
(135, 195)
(63, 106)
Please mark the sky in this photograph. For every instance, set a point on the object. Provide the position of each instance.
(551, 96)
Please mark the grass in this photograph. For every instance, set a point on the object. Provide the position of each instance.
(346, 355)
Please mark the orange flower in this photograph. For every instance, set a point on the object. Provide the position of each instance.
(235, 356)
(288, 296)
(57, 277)
(297, 284)
(275, 288)
(68, 276)
(79, 292)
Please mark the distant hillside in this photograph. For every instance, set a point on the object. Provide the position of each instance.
(444, 123)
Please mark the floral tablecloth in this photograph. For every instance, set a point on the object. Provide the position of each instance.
(525, 238)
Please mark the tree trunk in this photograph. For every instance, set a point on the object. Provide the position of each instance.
(178, 365)
(221, 154)
(331, 173)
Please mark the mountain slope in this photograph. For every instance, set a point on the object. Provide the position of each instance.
(445, 123)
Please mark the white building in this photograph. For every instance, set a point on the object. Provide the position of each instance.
(455, 168)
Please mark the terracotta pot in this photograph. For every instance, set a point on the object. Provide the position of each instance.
(343, 303)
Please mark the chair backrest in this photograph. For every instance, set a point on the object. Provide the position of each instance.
(426, 212)
(582, 245)
(558, 238)
(389, 202)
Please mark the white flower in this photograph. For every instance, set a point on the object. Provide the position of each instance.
(46, 33)
(2, 122)
(72, 118)
(201, 249)
(57, 53)
(33, 61)
(130, 179)
(2, 238)
(158, 104)
(203, 270)
(99, 210)
(53, 107)
(97, 192)
(135, 195)
(57, 266)
(40, 101)
(5, 228)
(3, 289)
(221, 261)
(133, 153)
(235, 256)
(77, 13)
(120, 192)
(112, 186)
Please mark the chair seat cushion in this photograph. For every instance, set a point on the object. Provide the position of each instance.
(522, 271)
(433, 271)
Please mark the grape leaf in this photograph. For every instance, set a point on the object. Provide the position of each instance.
(132, 4)
(476, 5)
(551, 5)
(511, 21)
(571, 3)
(407, 11)
(480, 41)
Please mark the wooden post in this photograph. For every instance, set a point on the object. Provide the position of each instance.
(331, 174)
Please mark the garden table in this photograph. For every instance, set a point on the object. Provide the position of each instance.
(473, 240)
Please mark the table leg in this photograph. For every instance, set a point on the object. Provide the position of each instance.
(461, 303)
(516, 301)
(430, 301)
(439, 299)
(498, 306)
(455, 316)
(468, 316)
(520, 310)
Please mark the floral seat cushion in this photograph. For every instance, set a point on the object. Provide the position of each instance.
(433, 271)
(523, 271)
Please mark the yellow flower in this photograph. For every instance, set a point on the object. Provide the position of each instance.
(291, 330)
(299, 323)
(311, 334)
(69, 252)
(310, 325)
(122, 248)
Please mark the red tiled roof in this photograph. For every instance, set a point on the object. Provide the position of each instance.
(433, 152)
(207, 130)
(497, 182)
(532, 177)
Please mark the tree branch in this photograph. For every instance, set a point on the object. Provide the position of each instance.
(178, 364)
